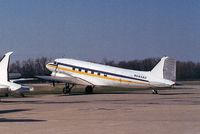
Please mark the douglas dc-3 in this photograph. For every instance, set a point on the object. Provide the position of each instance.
(75, 72)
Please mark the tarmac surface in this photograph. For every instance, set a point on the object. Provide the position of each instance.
(174, 111)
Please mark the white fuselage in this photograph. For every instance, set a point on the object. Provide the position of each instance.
(103, 75)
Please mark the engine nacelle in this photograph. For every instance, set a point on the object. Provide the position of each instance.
(25, 89)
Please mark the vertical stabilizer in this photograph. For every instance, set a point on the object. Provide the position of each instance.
(165, 69)
(4, 63)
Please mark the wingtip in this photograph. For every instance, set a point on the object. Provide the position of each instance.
(9, 53)
(164, 57)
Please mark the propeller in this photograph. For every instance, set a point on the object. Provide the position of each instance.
(55, 73)
(53, 83)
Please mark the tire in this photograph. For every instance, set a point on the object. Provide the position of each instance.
(22, 95)
(89, 90)
(6, 94)
(154, 91)
(65, 90)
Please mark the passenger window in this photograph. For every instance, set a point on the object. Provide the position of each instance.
(79, 69)
(98, 73)
(92, 72)
(86, 71)
(105, 75)
(73, 68)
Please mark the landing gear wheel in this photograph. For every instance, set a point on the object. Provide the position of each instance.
(154, 91)
(67, 88)
(89, 90)
(22, 95)
(6, 94)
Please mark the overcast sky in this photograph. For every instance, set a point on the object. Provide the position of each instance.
(98, 29)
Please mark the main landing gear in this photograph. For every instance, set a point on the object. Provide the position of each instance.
(154, 91)
(22, 95)
(67, 88)
(89, 89)
(6, 94)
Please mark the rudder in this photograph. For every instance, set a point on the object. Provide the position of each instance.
(169, 70)
(165, 69)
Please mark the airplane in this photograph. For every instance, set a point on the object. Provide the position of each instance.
(75, 72)
(6, 86)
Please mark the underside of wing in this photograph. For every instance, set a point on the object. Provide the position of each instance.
(23, 80)
(70, 80)
(3, 86)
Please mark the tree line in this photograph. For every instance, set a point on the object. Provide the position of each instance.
(31, 67)
(185, 70)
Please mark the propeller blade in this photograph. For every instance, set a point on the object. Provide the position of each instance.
(54, 84)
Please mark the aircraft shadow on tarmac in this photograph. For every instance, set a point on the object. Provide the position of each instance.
(16, 120)
(44, 102)
(56, 102)
(129, 92)
(114, 92)
(19, 120)
(176, 93)
(13, 111)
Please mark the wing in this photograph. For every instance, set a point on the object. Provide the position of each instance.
(68, 79)
(3, 86)
(14, 75)
(23, 80)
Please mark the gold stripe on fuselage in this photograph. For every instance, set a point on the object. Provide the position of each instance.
(96, 75)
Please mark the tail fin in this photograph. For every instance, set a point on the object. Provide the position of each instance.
(4, 63)
(165, 69)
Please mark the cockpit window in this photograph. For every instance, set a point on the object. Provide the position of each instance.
(55, 63)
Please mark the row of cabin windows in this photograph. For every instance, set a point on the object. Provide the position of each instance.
(86, 71)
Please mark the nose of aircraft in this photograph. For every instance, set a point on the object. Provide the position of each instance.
(50, 66)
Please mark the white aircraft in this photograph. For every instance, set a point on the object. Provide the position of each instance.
(76, 72)
(7, 86)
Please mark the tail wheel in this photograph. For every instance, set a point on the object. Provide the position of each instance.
(89, 90)
(154, 91)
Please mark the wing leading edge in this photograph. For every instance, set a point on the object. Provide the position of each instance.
(69, 79)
